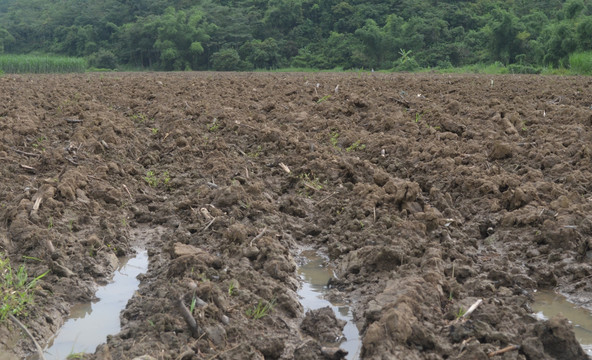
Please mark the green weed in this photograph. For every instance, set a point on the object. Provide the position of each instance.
(214, 126)
(141, 118)
(355, 146)
(324, 98)
(15, 289)
(333, 138)
(151, 178)
(231, 288)
(461, 312)
(260, 310)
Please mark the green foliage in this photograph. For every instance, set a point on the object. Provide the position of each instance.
(15, 289)
(581, 62)
(229, 60)
(103, 59)
(357, 145)
(260, 310)
(314, 34)
(40, 64)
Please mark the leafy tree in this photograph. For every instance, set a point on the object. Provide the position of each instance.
(228, 60)
(5, 39)
(505, 36)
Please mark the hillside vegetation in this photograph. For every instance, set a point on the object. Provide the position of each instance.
(522, 35)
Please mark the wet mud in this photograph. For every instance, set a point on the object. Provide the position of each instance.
(426, 192)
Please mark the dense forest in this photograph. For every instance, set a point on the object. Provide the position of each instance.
(322, 34)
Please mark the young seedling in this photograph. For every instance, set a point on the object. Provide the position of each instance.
(260, 310)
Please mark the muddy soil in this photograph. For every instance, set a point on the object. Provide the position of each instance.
(427, 192)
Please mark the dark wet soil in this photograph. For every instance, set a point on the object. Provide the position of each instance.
(427, 192)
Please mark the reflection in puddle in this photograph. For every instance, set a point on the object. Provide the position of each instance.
(547, 304)
(90, 323)
(316, 275)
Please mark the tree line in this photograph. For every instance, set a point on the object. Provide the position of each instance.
(322, 34)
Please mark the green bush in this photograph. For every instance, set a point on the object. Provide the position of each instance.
(229, 60)
(523, 69)
(581, 62)
(103, 59)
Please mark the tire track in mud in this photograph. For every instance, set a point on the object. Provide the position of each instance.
(427, 192)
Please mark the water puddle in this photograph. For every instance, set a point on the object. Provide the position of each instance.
(90, 323)
(316, 275)
(548, 303)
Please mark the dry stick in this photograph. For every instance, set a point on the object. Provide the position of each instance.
(209, 224)
(472, 308)
(25, 153)
(27, 167)
(74, 121)
(24, 328)
(128, 192)
(504, 350)
(189, 319)
(71, 161)
(258, 236)
(326, 197)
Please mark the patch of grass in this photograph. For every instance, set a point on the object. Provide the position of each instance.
(334, 138)
(581, 62)
(140, 117)
(151, 178)
(261, 309)
(355, 146)
(214, 126)
(15, 289)
(19, 64)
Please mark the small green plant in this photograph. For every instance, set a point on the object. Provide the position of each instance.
(166, 178)
(261, 309)
(151, 178)
(324, 98)
(256, 153)
(231, 288)
(523, 127)
(214, 126)
(417, 117)
(15, 289)
(151, 323)
(79, 355)
(311, 181)
(461, 312)
(50, 223)
(38, 144)
(141, 118)
(193, 303)
(333, 138)
(355, 146)
(154, 131)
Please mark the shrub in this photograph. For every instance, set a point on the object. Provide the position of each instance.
(103, 59)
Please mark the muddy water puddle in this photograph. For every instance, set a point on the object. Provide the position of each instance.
(548, 303)
(89, 323)
(315, 275)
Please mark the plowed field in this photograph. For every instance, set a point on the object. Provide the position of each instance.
(427, 193)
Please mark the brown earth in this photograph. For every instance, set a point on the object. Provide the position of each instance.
(428, 192)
